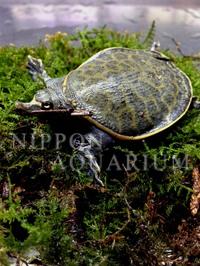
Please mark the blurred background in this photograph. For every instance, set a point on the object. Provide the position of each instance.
(26, 22)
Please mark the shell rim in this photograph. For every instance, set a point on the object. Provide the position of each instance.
(125, 137)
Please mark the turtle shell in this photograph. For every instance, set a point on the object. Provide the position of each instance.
(132, 94)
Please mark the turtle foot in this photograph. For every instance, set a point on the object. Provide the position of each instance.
(195, 103)
(90, 159)
(36, 69)
(155, 46)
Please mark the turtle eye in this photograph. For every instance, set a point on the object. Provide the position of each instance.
(47, 105)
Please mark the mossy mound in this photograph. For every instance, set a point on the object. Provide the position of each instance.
(143, 215)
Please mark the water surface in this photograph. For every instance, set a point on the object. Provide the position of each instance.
(25, 23)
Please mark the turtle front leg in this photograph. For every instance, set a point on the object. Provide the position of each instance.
(36, 69)
(91, 145)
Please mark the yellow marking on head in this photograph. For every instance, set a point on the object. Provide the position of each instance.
(34, 102)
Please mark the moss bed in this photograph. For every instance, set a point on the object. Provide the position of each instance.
(143, 216)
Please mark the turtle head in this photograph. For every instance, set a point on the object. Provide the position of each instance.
(46, 100)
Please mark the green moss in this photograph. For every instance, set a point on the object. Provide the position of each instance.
(59, 212)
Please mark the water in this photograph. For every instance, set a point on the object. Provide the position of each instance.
(25, 24)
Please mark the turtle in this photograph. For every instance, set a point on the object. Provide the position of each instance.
(125, 94)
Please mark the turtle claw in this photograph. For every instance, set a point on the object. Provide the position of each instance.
(36, 69)
(96, 171)
(35, 64)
